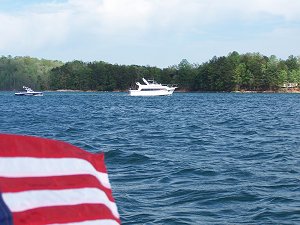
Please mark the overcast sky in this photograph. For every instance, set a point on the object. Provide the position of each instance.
(148, 32)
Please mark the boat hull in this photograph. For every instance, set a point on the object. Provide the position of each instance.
(151, 93)
(29, 94)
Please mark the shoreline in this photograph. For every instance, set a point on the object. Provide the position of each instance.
(294, 90)
(282, 90)
(291, 90)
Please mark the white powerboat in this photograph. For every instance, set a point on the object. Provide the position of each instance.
(152, 88)
(29, 92)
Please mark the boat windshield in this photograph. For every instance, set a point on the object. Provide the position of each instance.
(152, 82)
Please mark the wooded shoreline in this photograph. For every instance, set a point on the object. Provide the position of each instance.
(250, 72)
(294, 90)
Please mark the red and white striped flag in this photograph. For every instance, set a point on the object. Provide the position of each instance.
(51, 182)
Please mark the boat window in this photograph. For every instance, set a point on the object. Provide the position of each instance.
(153, 89)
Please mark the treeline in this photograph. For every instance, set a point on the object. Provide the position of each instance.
(16, 72)
(234, 72)
(102, 76)
(251, 71)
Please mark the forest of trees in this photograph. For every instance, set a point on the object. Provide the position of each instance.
(19, 71)
(234, 72)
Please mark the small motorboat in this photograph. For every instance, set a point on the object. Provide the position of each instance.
(29, 92)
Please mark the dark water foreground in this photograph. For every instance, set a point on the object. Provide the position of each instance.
(184, 159)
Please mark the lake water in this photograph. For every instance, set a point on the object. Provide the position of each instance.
(191, 158)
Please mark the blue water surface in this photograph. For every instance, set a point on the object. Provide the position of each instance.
(190, 158)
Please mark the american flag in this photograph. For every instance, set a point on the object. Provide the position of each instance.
(51, 182)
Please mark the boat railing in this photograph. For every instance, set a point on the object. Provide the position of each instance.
(27, 89)
(170, 85)
(152, 81)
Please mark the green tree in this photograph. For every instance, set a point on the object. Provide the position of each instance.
(185, 75)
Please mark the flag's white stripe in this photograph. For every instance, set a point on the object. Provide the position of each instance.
(26, 200)
(92, 222)
(38, 167)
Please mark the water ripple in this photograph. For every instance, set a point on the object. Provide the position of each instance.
(185, 159)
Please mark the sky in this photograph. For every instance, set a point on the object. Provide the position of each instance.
(148, 32)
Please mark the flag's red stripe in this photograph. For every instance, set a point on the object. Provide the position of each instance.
(27, 146)
(52, 183)
(63, 214)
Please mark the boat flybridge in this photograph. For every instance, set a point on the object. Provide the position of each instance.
(152, 88)
(29, 92)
